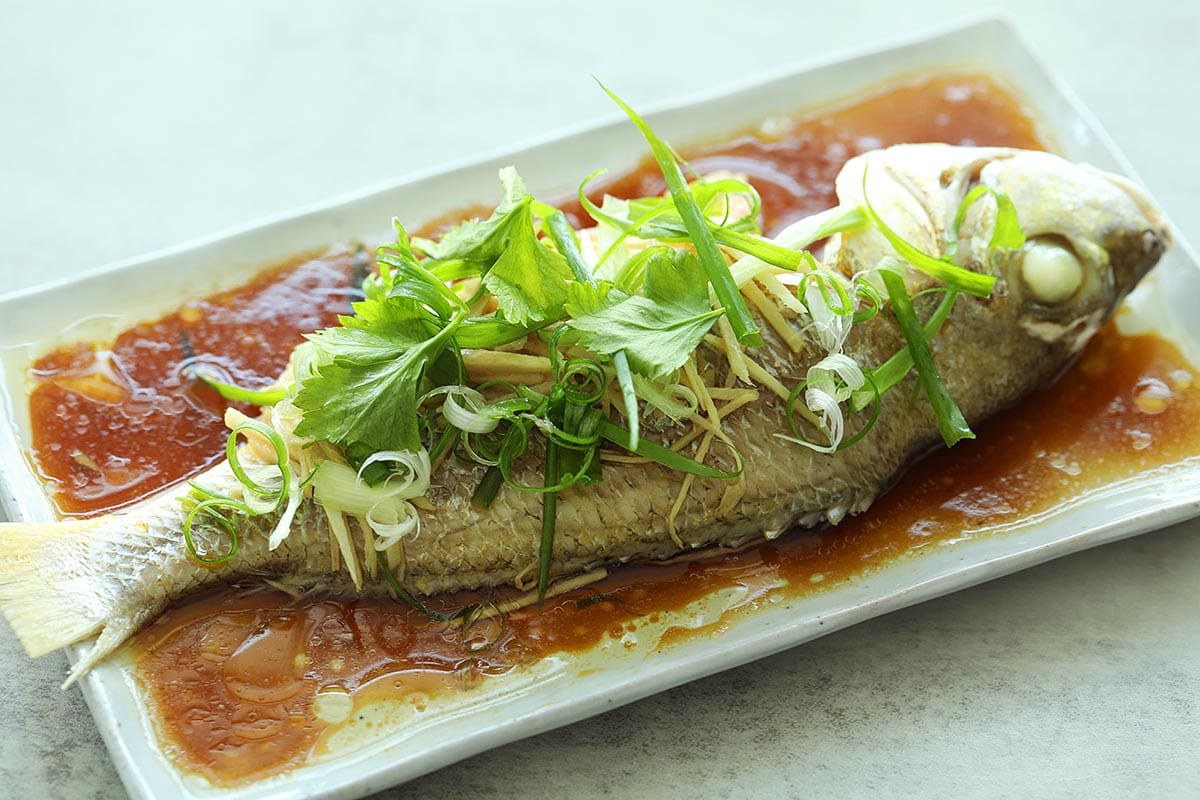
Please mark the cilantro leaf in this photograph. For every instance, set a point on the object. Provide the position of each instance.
(529, 280)
(588, 298)
(477, 240)
(370, 375)
(657, 331)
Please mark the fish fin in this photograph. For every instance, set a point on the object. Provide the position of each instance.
(47, 607)
(112, 637)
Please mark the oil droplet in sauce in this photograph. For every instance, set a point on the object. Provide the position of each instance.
(251, 682)
(1152, 396)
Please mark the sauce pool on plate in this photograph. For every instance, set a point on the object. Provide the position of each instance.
(246, 683)
(249, 682)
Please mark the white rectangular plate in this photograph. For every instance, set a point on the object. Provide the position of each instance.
(112, 298)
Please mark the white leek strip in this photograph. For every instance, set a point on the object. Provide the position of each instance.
(839, 366)
(831, 328)
(337, 486)
(392, 522)
(284, 526)
(832, 421)
(465, 408)
(368, 535)
(270, 477)
(413, 481)
(386, 510)
(831, 382)
(303, 361)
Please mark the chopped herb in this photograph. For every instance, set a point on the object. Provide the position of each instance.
(657, 331)
(697, 227)
(945, 270)
(238, 394)
(950, 420)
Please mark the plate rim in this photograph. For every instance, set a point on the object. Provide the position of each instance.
(97, 687)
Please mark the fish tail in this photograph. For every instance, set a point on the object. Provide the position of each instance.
(48, 588)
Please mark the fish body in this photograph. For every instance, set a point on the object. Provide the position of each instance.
(63, 582)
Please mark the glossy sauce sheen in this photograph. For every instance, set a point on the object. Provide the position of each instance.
(242, 682)
(113, 425)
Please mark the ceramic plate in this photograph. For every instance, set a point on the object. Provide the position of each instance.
(560, 691)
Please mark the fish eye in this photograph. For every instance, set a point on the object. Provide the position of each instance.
(1051, 271)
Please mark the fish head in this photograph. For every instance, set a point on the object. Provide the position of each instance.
(1090, 236)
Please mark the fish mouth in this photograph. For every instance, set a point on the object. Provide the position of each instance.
(1134, 254)
(1134, 251)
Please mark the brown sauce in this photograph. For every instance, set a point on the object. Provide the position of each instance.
(234, 677)
(113, 424)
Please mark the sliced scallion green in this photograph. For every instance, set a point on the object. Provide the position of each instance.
(714, 264)
(239, 394)
(951, 423)
(665, 456)
(946, 271)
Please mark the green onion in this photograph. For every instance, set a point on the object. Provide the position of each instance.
(274, 497)
(238, 394)
(892, 371)
(665, 456)
(259, 499)
(725, 289)
(209, 508)
(549, 518)
(400, 591)
(563, 237)
(949, 273)
(488, 487)
(950, 420)
(1006, 233)
(628, 394)
(763, 249)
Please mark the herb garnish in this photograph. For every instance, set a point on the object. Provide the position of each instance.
(391, 386)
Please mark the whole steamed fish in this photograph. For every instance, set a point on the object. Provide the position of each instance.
(1090, 239)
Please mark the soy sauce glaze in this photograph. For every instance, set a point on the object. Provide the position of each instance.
(247, 683)
(235, 677)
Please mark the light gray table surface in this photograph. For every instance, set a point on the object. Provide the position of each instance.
(127, 127)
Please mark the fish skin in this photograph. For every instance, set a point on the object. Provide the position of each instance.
(63, 582)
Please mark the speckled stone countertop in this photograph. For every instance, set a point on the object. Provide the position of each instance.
(132, 126)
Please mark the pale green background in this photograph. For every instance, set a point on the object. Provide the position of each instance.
(132, 126)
